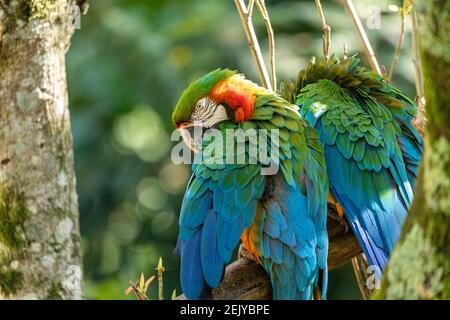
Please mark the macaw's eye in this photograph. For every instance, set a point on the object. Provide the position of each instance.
(200, 105)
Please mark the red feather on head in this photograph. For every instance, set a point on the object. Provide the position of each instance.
(237, 93)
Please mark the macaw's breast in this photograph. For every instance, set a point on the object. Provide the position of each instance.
(248, 238)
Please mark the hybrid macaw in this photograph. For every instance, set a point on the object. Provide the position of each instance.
(280, 218)
(372, 149)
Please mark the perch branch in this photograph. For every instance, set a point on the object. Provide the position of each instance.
(362, 34)
(399, 45)
(246, 280)
(261, 4)
(326, 31)
(419, 120)
(246, 19)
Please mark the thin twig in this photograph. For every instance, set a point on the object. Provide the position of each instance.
(416, 56)
(345, 51)
(419, 120)
(360, 266)
(251, 5)
(326, 31)
(366, 43)
(265, 15)
(160, 270)
(137, 291)
(252, 40)
(399, 45)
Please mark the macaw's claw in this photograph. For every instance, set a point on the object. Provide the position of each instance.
(243, 253)
(338, 215)
(338, 212)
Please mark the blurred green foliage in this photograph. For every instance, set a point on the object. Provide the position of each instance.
(126, 69)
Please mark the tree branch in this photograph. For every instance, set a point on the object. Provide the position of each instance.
(326, 31)
(398, 47)
(419, 120)
(246, 280)
(265, 15)
(362, 34)
(360, 266)
(246, 18)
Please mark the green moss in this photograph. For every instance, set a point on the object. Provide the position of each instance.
(10, 281)
(35, 9)
(54, 292)
(12, 215)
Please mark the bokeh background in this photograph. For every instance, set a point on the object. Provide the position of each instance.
(127, 66)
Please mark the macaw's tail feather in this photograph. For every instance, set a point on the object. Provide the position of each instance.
(376, 256)
(192, 280)
(200, 260)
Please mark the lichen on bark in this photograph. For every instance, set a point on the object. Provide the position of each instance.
(414, 253)
(36, 9)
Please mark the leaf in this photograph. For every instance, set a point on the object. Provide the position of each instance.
(128, 290)
(160, 267)
(148, 282)
(141, 282)
(174, 294)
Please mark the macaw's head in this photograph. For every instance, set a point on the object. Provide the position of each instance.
(218, 96)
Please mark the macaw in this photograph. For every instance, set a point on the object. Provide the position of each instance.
(280, 217)
(372, 150)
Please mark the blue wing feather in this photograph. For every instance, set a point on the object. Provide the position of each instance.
(212, 264)
(212, 222)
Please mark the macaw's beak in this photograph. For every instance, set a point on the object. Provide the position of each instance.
(184, 125)
(192, 134)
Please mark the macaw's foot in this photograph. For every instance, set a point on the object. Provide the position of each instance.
(243, 253)
(338, 215)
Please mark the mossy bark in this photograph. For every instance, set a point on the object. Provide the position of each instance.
(420, 263)
(40, 251)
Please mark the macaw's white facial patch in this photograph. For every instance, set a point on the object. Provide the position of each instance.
(208, 113)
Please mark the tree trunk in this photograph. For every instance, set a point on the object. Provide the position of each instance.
(420, 264)
(40, 251)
